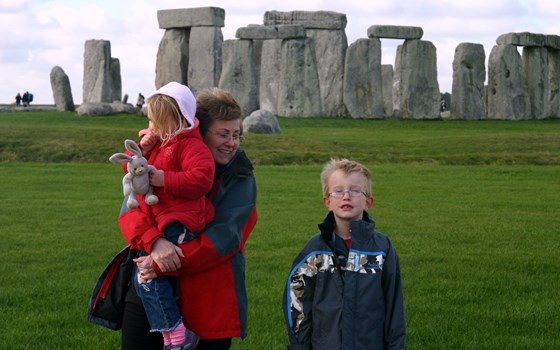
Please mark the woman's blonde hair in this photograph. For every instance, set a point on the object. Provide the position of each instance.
(347, 167)
(166, 117)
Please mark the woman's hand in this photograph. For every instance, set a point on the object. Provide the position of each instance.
(166, 255)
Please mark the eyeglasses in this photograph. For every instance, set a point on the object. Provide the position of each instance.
(351, 193)
(225, 137)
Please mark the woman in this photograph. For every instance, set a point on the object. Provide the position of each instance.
(210, 269)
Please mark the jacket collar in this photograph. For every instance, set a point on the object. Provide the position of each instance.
(240, 165)
(327, 226)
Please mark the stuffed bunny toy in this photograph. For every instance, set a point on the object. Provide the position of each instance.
(137, 181)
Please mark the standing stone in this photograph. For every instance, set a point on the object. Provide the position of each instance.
(553, 84)
(469, 73)
(204, 57)
(101, 73)
(387, 82)
(62, 92)
(508, 97)
(298, 88)
(190, 51)
(269, 75)
(239, 74)
(330, 53)
(326, 28)
(419, 88)
(116, 82)
(397, 98)
(535, 63)
(267, 45)
(172, 60)
(363, 89)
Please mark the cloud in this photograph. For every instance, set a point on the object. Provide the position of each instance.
(47, 33)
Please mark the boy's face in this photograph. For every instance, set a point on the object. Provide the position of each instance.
(347, 207)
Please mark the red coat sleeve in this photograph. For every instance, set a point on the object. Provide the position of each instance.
(236, 216)
(138, 229)
(196, 176)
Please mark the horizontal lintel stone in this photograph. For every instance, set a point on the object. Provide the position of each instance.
(308, 19)
(191, 17)
(522, 39)
(552, 41)
(261, 32)
(395, 32)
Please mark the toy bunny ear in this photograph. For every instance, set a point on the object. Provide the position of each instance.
(133, 147)
(119, 158)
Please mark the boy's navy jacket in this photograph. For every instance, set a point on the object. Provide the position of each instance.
(340, 298)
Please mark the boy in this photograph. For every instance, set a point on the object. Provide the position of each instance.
(344, 290)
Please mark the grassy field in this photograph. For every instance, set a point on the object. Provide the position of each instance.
(472, 208)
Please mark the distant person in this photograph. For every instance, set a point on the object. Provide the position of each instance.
(443, 105)
(344, 288)
(18, 100)
(25, 99)
(140, 101)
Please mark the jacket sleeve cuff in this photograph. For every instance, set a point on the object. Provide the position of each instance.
(149, 238)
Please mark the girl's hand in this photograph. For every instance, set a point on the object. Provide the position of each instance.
(145, 269)
(148, 141)
(157, 178)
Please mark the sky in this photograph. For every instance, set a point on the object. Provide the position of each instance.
(37, 35)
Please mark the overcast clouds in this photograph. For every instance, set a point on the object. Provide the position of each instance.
(37, 35)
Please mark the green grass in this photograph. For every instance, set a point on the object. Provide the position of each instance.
(66, 137)
(472, 208)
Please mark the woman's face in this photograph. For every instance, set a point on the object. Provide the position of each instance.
(223, 138)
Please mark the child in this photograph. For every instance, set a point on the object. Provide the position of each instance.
(344, 289)
(173, 144)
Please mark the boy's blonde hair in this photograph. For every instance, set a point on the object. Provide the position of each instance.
(347, 166)
(166, 117)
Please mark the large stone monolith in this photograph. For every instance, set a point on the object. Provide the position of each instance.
(387, 82)
(508, 96)
(469, 74)
(418, 94)
(205, 57)
(269, 74)
(535, 63)
(327, 29)
(298, 88)
(363, 88)
(553, 94)
(62, 93)
(239, 74)
(101, 73)
(190, 51)
(172, 61)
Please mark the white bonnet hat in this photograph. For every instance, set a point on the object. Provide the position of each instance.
(184, 98)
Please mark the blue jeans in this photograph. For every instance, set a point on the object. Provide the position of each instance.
(158, 295)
